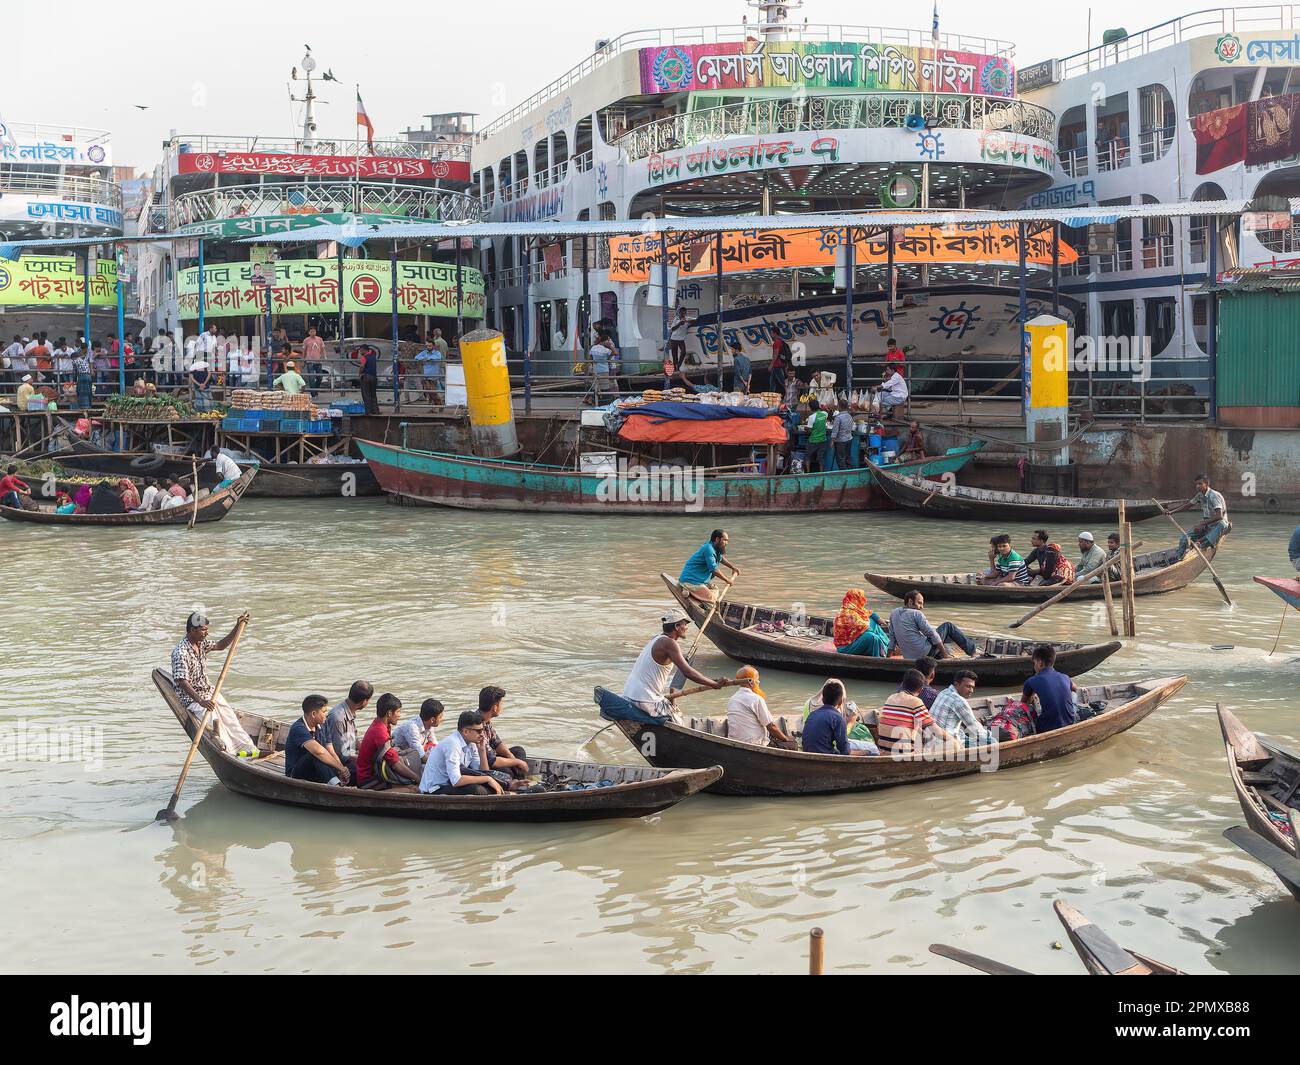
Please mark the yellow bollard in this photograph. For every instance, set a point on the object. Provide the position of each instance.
(487, 386)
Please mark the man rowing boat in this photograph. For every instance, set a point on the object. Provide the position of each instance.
(702, 567)
(649, 684)
(190, 676)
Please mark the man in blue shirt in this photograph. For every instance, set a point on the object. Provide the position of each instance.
(369, 374)
(308, 752)
(825, 730)
(702, 566)
(1055, 691)
(1294, 549)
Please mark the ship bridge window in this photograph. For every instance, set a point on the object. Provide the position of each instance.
(1113, 137)
(1156, 134)
(1279, 81)
(504, 178)
(1281, 183)
(1212, 89)
(1072, 141)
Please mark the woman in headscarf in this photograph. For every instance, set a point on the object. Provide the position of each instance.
(82, 499)
(857, 630)
(130, 495)
(105, 499)
(63, 504)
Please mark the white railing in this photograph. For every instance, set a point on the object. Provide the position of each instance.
(815, 113)
(393, 147)
(1206, 23)
(1074, 162)
(39, 131)
(1112, 154)
(582, 162)
(694, 35)
(1286, 241)
(81, 189)
(1154, 144)
(1120, 261)
(1198, 237)
(328, 197)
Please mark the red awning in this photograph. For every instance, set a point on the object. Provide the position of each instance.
(769, 430)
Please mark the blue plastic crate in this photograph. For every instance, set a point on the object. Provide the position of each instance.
(240, 425)
(350, 408)
(294, 425)
(320, 425)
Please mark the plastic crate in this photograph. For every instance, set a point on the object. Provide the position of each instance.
(350, 408)
(320, 425)
(240, 425)
(294, 425)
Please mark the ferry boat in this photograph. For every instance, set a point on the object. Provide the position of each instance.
(772, 117)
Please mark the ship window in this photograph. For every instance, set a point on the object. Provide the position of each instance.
(1156, 134)
(1072, 141)
(541, 167)
(582, 145)
(1117, 318)
(1281, 183)
(559, 155)
(1160, 315)
(1114, 148)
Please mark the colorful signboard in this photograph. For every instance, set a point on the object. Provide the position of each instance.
(632, 257)
(828, 64)
(260, 225)
(55, 280)
(38, 209)
(327, 166)
(311, 286)
(24, 143)
(1267, 49)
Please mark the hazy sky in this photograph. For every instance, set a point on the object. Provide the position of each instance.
(224, 68)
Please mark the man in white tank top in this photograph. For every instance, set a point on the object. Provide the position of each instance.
(648, 685)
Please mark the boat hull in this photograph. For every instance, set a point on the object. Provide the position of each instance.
(438, 479)
(214, 507)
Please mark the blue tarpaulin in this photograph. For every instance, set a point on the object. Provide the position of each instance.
(613, 707)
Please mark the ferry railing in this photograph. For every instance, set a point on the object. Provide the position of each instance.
(1121, 259)
(1074, 162)
(1154, 144)
(69, 187)
(731, 33)
(767, 117)
(393, 147)
(1210, 22)
(1112, 154)
(582, 162)
(1286, 241)
(324, 197)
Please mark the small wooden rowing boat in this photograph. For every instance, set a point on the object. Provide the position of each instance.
(632, 791)
(752, 770)
(1100, 954)
(1285, 588)
(212, 507)
(768, 636)
(1266, 777)
(984, 504)
(440, 479)
(1153, 573)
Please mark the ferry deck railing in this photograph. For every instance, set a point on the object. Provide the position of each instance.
(1154, 144)
(1074, 162)
(1112, 154)
(393, 147)
(67, 186)
(324, 197)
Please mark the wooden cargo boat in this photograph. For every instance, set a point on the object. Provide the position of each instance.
(1153, 573)
(984, 504)
(442, 479)
(752, 770)
(212, 507)
(1266, 778)
(634, 791)
(733, 629)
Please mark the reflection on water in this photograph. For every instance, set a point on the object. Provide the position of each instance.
(424, 602)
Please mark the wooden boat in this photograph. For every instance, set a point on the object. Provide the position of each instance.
(733, 629)
(751, 770)
(1285, 588)
(634, 791)
(1099, 953)
(1153, 573)
(1266, 777)
(984, 504)
(212, 507)
(442, 479)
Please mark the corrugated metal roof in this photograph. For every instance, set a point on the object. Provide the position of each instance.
(1256, 364)
(1256, 279)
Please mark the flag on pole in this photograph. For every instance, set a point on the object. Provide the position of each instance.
(934, 29)
(363, 119)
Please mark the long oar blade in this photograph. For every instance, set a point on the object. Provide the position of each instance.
(1287, 867)
(976, 961)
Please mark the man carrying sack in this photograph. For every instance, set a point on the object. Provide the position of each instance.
(190, 677)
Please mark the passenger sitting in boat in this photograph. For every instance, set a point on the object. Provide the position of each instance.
(748, 718)
(826, 729)
(1090, 556)
(904, 723)
(1112, 551)
(378, 760)
(105, 498)
(648, 684)
(453, 766)
(913, 635)
(416, 733)
(702, 566)
(513, 760)
(1053, 566)
(952, 712)
(914, 446)
(82, 498)
(130, 495)
(190, 678)
(343, 721)
(861, 740)
(927, 667)
(1054, 691)
(63, 504)
(308, 753)
(857, 630)
(13, 489)
(149, 500)
(1005, 565)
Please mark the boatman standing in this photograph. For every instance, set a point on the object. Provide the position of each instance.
(649, 684)
(702, 567)
(1214, 516)
(190, 676)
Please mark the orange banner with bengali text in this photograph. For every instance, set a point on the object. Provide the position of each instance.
(631, 257)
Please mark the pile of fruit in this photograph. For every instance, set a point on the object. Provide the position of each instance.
(147, 408)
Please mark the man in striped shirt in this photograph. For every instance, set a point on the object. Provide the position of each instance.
(952, 712)
(1005, 565)
(904, 722)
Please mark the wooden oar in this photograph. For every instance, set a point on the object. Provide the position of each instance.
(704, 688)
(168, 813)
(976, 961)
(1217, 583)
(194, 464)
(1079, 581)
(679, 678)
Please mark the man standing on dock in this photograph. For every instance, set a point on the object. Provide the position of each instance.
(369, 377)
(649, 684)
(1214, 516)
(190, 676)
(313, 352)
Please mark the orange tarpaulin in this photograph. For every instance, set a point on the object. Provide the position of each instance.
(632, 256)
(769, 430)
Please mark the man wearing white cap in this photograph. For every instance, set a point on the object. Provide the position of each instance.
(25, 391)
(648, 685)
(1090, 555)
(190, 677)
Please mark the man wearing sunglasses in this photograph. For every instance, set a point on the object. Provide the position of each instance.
(453, 766)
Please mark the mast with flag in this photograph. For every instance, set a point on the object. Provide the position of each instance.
(363, 119)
